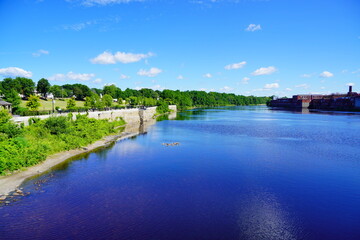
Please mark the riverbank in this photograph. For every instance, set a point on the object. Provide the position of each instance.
(10, 183)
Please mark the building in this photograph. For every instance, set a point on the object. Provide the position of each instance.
(348, 101)
(5, 105)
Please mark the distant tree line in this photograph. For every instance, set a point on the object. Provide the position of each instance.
(12, 88)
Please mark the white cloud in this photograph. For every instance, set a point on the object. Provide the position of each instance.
(153, 72)
(245, 80)
(356, 71)
(350, 84)
(264, 71)
(109, 58)
(107, 2)
(97, 81)
(77, 26)
(271, 85)
(326, 74)
(15, 72)
(288, 89)
(72, 76)
(305, 75)
(123, 76)
(253, 28)
(180, 77)
(226, 89)
(235, 65)
(40, 52)
(203, 89)
(207, 75)
(304, 85)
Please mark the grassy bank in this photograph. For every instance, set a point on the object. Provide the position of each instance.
(47, 105)
(21, 147)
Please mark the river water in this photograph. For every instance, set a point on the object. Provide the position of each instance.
(238, 173)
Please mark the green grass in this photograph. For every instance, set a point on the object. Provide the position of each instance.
(47, 105)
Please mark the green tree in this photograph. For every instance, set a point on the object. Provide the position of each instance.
(108, 100)
(27, 86)
(57, 91)
(71, 103)
(9, 84)
(94, 101)
(43, 86)
(111, 90)
(33, 103)
(12, 97)
(133, 101)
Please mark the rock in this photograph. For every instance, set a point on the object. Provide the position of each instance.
(18, 191)
(2, 198)
(85, 148)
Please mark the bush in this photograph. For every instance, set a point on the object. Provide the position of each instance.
(163, 107)
(57, 125)
(20, 148)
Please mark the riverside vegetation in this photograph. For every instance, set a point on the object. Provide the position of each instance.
(21, 147)
(80, 97)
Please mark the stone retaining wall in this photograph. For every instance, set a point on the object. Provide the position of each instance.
(130, 116)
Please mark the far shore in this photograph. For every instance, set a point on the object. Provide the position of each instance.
(11, 183)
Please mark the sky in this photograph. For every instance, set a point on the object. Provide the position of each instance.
(248, 47)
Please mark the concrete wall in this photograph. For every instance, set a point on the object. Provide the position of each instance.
(129, 115)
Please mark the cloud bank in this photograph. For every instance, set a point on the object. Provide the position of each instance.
(15, 72)
(122, 57)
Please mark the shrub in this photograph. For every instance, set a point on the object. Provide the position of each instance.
(57, 125)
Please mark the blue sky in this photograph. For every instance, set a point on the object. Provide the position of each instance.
(250, 47)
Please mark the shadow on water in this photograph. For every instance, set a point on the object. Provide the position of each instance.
(311, 111)
(100, 153)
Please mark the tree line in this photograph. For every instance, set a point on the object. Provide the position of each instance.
(12, 88)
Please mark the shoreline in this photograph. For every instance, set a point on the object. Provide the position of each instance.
(11, 182)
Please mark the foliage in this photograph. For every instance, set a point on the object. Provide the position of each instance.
(31, 145)
(43, 86)
(58, 91)
(163, 107)
(71, 104)
(143, 97)
(57, 125)
(13, 97)
(33, 103)
(80, 91)
(111, 90)
(107, 100)
(8, 129)
(94, 101)
(27, 86)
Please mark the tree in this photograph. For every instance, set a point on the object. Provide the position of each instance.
(9, 84)
(71, 103)
(27, 86)
(43, 86)
(33, 103)
(111, 90)
(133, 101)
(12, 97)
(108, 100)
(94, 101)
(57, 91)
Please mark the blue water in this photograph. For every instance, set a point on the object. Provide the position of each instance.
(238, 173)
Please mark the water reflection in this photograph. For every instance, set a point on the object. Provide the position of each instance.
(244, 173)
(262, 216)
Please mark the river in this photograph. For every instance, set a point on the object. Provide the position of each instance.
(238, 173)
